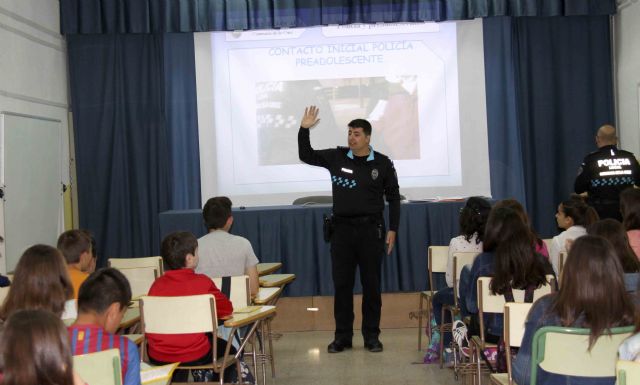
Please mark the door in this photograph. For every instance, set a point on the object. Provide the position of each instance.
(31, 181)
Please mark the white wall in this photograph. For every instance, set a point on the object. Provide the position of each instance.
(33, 62)
(627, 35)
(33, 67)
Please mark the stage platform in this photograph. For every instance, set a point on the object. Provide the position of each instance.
(293, 235)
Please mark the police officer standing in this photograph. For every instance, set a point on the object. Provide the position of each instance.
(605, 173)
(360, 177)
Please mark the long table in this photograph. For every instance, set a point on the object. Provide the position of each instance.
(293, 235)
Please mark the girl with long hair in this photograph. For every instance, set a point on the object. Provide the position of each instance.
(613, 231)
(40, 281)
(540, 246)
(509, 258)
(630, 209)
(592, 296)
(34, 349)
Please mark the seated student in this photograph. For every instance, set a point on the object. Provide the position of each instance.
(179, 252)
(40, 281)
(573, 216)
(472, 219)
(592, 296)
(629, 350)
(76, 248)
(102, 302)
(34, 349)
(223, 254)
(94, 251)
(509, 258)
(630, 209)
(613, 231)
(540, 246)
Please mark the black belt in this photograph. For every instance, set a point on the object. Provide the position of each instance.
(357, 220)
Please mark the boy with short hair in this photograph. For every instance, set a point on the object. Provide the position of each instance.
(223, 254)
(180, 253)
(103, 299)
(76, 248)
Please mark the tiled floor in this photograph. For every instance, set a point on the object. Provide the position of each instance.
(302, 358)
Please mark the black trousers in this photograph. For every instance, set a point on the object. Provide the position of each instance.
(357, 245)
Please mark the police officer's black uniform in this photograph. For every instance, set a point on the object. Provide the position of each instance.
(358, 185)
(604, 174)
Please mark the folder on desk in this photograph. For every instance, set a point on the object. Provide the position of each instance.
(247, 309)
(156, 375)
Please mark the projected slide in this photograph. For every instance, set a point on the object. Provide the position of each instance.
(403, 78)
(391, 105)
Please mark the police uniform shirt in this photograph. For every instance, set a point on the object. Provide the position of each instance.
(606, 172)
(358, 183)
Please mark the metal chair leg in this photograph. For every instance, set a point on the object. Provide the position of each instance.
(442, 338)
(271, 354)
(420, 323)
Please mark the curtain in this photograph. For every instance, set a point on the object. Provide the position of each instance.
(181, 111)
(549, 88)
(126, 140)
(159, 16)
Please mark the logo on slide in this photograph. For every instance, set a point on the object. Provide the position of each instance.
(374, 174)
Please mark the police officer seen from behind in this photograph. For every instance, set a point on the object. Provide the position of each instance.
(360, 178)
(605, 173)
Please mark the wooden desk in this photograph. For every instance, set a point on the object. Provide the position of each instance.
(131, 317)
(242, 319)
(268, 268)
(266, 295)
(276, 280)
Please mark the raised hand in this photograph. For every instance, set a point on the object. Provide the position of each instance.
(310, 117)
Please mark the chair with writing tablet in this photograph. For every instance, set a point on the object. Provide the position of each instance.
(128, 263)
(436, 263)
(490, 303)
(628, 372)
(515, 316)
(166, 315)
(565, 351)
(140, 279)
(460, 260)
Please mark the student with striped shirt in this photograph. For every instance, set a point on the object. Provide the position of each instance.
(102, 302)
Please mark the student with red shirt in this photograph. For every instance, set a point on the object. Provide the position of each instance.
(179, 251)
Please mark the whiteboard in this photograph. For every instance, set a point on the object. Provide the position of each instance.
(30, 174)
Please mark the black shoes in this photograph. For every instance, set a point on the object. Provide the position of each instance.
(374, 346)
(337, 346)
